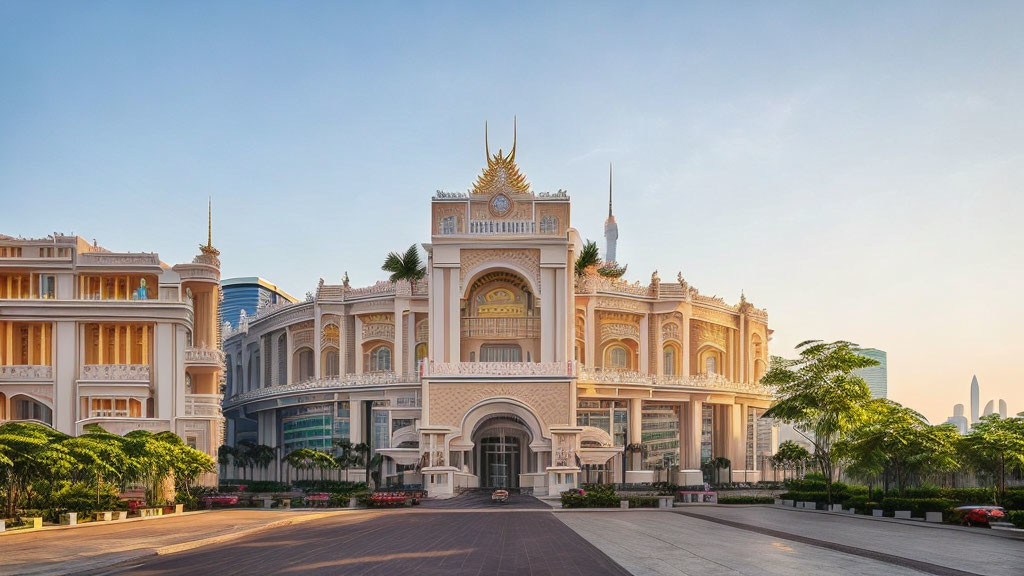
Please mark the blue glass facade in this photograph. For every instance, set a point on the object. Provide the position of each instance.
(247, 294)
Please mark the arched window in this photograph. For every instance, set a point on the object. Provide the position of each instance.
(618, 358)
(254, 371)
(331, 365)
(670, 361)
(549, 225)
(711, 365)
(227, 375)
(304, 359)
(380, 359)
(421, 352)
(282, 360)
(188, 383)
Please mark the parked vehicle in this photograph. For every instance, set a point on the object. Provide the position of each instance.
(220, 500)
(500, 496)
(979, 515)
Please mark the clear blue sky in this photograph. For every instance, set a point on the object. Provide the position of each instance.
(856, 168)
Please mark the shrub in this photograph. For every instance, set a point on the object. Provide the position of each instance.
(596, 496)
(267, 486)
(746, 500)
(816, 497)
(1017, 517)
(83, 499)
(918, 506)
(642, 501)
(332, 486)
(1012, 499)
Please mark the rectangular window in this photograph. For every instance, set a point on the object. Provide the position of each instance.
(380, 429)
(659, 431)
(707, 433)
(47, 286)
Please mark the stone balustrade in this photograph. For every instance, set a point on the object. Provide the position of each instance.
(203, 405)
(24, 372)
(197, 355)
(317, 384)
(116, 372)
(589, 375)
(595, 284)
(507, 369)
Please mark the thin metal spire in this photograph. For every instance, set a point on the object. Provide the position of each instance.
(209, 222)
(609, 189)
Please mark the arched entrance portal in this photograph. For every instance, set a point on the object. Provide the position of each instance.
(501, 451)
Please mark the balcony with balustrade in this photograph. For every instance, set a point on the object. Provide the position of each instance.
(203, 405)
(208, 357)
(591, 376)
(517, 370)
(500, 328)
(129, 373)
(26, 373)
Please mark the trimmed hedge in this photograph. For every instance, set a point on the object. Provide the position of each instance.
(746, 500)
(641, 501)
(918, 506)
(597, 496)
(1016, 516)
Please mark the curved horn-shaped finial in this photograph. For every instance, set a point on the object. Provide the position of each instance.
(487, 144)
(512, 156)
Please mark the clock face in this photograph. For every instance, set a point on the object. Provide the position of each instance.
(500, 204)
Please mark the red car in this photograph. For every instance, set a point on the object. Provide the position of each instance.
(220, 500)
(980, 515)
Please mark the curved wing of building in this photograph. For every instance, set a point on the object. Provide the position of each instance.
(500, 368)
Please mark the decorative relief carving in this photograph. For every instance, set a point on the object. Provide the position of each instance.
(373, 305)
(710, 333)
(670, 330)
(379, 327)
(302, 338)
(116, 372)
(527, 260)
(618, 331)
(109, 259)
(716, 316)
(26, 372)
(621, 304)
(330, 335)
(450, 402)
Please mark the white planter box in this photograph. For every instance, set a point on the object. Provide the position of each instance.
(624, 504)
(69, 519)
(104, 516)
(788, 503)
(876, 512)
(905, 514)
(933, 517)
(121, 515)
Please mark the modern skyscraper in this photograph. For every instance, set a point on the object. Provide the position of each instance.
(958, 419)
(611, 229)
(875, 376)
(975, 400)
(250, 293)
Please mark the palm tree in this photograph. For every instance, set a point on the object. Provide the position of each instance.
(589, 256)
(262, 455)
(363, 449)
(224, 455)
(406, 266)
(345, 458)
(790, 455)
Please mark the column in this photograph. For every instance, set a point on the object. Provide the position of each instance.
(548, 313)
(397, 358)
(645, 345)
(317, 341)
(635, 431)
(744, 349)
(738, 436)
(343, 344)
(562, 308)
(659, 352)
(454, 317)
(695, 429)
(591, 335)
(358, 352)
(65, 369)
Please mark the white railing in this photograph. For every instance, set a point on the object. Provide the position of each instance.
(317, 384)
(560, 369)
(509, 227)
(203, 405)
(194, 354)
(702, 381)
(116, 372)
(26, 372)
(473, 327)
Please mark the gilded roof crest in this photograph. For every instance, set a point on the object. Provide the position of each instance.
(501, 175)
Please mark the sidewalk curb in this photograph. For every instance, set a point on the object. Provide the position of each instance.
(95, 523)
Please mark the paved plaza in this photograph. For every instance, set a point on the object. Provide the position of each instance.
(471, 536)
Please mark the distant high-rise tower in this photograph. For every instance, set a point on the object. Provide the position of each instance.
(875, 376)
(975, 400)
(1002, 408)
(990, 408)
(611, 229)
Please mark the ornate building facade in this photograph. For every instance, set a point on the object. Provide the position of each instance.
(502, 367)
(90, 336)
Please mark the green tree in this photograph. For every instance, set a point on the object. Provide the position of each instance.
(995, 446)
(225, 454)
(589, 256)
(262, 456)
(407, 266)
(819, 394)
(897, 443)
(790, 455)
(28, 453)
(346, 457)
(363, 450)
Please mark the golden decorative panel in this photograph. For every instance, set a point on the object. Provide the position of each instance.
(716, 316)
(621, 304)
(705, 333)
(449, 402)
(526, 260)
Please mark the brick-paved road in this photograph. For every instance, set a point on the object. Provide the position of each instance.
(421, 542)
